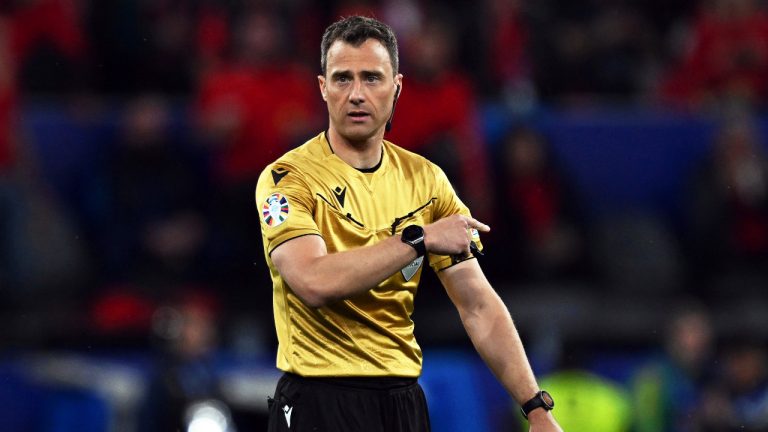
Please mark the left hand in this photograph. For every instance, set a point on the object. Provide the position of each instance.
(542, 421)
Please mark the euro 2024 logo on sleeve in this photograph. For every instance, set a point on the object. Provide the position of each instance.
(275, 209)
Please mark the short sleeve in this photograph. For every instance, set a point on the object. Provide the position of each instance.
(449, 204)
(285, 205)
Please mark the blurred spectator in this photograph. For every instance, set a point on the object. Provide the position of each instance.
(668, 390)
(508, 38)
(146, 46)
(150, 225)
(506, 56)
(212, 37)
(541, 229)
(9, 217)
(248, 119)
(404, 16)
(601, 50)
(33, 228)
(48, 43)
(186, 333)
(120, 318)
(739, 401)
(158, 230)
(726, 59)
(253, 107)
(728, 209)
(169, 52)
(437, 116)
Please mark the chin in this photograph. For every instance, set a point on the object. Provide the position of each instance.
(357, 134)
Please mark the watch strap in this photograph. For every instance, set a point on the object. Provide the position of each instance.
(542, 399)
(421, 248)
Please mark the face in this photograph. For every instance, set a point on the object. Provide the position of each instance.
(691, 338)
(359, 87)
(524, 154)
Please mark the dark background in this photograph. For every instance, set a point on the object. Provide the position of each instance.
(617, 148)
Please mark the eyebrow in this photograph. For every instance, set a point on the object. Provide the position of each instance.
(348, 73)
(340, 74)
(373, 74)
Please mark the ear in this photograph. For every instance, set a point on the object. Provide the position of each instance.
(399, 84)
(323, 88)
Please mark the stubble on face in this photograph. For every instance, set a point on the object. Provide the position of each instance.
(359, 90)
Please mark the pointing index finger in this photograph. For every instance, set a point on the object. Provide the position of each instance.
(476, 224)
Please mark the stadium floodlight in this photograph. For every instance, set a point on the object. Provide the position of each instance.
(208, 416)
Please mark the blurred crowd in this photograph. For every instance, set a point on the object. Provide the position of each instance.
(202, 94)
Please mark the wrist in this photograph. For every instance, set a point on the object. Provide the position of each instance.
(413, 236)
(427, 238)
(540, 415)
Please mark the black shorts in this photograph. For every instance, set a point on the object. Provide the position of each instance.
(348, 405)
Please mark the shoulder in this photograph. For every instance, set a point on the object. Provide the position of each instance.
(410, 161)
(304, 155)
(417, 169)
(301, 159)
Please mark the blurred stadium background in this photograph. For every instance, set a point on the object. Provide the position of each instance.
(616, 147)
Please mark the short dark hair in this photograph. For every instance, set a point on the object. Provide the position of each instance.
(355, 30)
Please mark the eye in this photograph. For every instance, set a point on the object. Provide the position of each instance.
(372, 78)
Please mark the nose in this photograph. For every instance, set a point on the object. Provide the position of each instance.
(356, 95)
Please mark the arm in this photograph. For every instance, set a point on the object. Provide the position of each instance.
(319, 278)
(490, 327)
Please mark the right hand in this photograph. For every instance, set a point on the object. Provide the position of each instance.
(451, 235)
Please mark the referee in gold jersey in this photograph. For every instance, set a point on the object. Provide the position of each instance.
(349, 221)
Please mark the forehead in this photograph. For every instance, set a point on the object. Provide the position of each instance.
(370, 55)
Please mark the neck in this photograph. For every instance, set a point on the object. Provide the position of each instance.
(358, 154)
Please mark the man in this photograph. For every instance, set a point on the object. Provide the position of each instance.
(347, 219)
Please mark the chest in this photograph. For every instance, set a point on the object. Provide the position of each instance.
(360, 209)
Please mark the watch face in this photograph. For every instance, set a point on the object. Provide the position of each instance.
(547, 399)
(412, 232)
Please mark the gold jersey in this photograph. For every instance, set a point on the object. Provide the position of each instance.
(311, 191)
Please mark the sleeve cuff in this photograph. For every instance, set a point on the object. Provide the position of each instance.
(274, 243)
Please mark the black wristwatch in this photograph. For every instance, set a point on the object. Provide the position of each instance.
(541, 400)
(413, 236)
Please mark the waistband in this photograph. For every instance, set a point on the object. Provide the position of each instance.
(360, 383)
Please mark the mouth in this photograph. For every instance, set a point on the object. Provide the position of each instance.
(358, 115)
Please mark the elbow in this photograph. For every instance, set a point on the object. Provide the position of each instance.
(487, 310)
(313, 293)
(312, 299)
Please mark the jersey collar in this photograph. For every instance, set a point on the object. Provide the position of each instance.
(327, 150)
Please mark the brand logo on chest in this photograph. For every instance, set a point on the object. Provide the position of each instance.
(340, 194)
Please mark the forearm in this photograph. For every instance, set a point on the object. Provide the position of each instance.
(490, 327)
(493, 333)
(336, 276)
